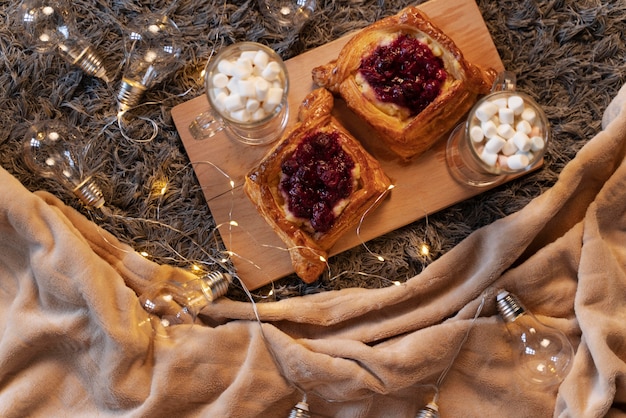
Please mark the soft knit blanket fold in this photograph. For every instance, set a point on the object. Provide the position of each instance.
(75, 341)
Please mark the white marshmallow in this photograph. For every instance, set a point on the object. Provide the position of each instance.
(516, 104)
(489, 158)
(522, 141)
(261, 58)
(509, 148)
(257, 72)
(274, 96)
(271, 71)
(248, 55)
(486, 110)
(233, 102)
(243, 69)
(506, 115)
(226, 67)
(506, 131)
(489, 128)
(495, 144)
(518, 161)
(501, 102)
(252, 105)
(503, 160)
(529, 114)
(476, 133)
(220, 100)
(220, 80)
(233, 85)
(246, 88)
(523, 126)
(261, 86)
(537, 143)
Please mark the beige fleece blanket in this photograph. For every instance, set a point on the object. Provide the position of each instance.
(76, 342)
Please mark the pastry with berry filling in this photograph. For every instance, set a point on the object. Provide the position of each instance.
(315, 185)
(407, 79)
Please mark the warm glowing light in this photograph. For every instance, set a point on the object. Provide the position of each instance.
(195, 268)
(424, 250)
(233, 223)
(159, 187)
(322, 259)
(397, 283)
(144, 254)
(380, 258)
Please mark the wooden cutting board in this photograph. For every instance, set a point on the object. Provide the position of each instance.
(422, 187)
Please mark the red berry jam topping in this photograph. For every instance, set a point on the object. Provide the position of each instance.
(404, 72)
(316, 178)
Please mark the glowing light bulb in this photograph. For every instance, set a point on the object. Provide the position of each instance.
(50, 26)
(287, 15)
(53, 150)
(544, 354)
(181, 302)
(154, 55)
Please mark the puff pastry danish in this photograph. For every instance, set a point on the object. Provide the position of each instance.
(407, 79)
(315, 184)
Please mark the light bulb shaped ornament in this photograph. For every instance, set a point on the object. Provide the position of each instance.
(544, 354)
(50, 26)
(54, 150)
(429, 411)
(181, 302)
(155, 48)
(287, 15)
(301, 410)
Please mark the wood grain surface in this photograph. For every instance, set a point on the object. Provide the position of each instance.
(422, 186)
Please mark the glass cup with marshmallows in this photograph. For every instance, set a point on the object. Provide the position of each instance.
(506, 133)
(247, 86)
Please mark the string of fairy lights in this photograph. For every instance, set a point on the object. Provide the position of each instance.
(53, 149)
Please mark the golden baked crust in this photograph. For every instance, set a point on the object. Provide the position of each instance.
(309, 249)
(408, 136)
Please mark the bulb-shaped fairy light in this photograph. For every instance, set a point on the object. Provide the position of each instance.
(544, 354)
(287, 15)
(155, 47)
(429, 411)
(55, 150)
(300, 410)
(50, 26)
(180, 302)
